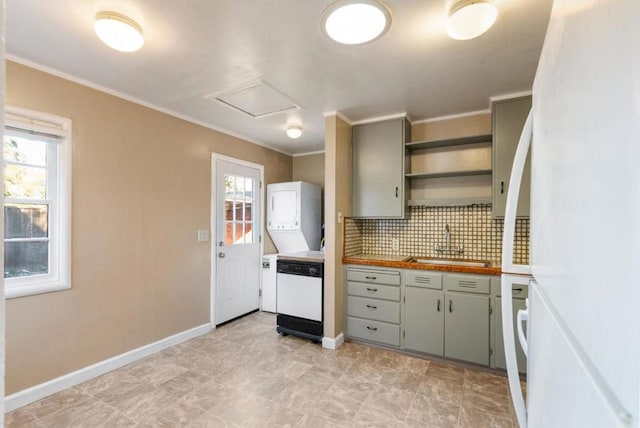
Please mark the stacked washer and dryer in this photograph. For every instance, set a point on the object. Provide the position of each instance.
(294, 224)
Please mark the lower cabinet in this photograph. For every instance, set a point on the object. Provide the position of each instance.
(450, 322)
(443, 314)
(519, 293)
(424, 320)
(373, 305)
(466, 327)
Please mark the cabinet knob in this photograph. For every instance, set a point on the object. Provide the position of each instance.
(438, 305)
(450, 305)
(397, 191)
(502, 187)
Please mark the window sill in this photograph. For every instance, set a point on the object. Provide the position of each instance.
(12, 292)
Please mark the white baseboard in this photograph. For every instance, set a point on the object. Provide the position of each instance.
(35, 393)
(333, 343)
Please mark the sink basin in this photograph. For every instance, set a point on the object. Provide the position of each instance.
(451, 262)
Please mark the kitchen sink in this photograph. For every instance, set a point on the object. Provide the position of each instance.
(451, 262)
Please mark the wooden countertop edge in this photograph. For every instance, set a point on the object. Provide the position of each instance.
(421, 266)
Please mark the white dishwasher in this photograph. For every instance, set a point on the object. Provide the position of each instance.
(299, 298)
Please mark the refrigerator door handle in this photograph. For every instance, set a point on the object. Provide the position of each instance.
(513, 194)
(523, 316)
(508, 335)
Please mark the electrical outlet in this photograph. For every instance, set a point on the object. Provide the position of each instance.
(395, 244)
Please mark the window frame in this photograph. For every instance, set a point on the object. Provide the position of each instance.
(25, 121)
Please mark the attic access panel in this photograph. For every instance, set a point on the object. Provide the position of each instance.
(257, 100)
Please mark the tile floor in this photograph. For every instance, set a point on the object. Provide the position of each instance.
(244, 374)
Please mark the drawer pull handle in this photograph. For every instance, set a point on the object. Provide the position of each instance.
(372, 328)
(372, 307)
(373, 290)
(372, 278)
(517, 290)
(450, 305)
(438, 305)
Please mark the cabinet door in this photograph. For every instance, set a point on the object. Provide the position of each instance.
(424, 320)
(508, 120)
(518, 304)
(378, 169)
(466, 327)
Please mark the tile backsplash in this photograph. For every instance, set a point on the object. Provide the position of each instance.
(470, 227)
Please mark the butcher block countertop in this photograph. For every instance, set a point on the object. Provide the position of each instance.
(404, 262)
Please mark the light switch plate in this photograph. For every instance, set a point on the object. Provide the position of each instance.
(340, 217)
(203, 235)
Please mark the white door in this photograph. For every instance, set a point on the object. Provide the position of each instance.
(237, 246)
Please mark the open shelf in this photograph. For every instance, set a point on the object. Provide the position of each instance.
(448, 202)
(421, 145)
(448, 174)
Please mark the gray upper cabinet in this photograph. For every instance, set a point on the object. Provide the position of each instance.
(467, 327)
(508, 120)
(378, 173)
(424, 320)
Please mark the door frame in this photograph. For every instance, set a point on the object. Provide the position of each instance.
(214, 227)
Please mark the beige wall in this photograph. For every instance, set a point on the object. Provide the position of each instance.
(466, 126)
(141, 190)
(337, 199)
(309, 168)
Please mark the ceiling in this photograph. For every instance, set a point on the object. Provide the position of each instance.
(199, 48)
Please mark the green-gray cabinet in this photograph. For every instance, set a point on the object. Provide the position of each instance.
(519, 294)
(378, 168)
(466, 327)
(453, 322)
(508, 120)
(424, 320)
(373, 304)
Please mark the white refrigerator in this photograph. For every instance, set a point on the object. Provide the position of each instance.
(583, 331)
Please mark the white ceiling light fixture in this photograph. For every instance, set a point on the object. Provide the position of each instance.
(118, 31)
(469, 19)
(294, 131)
(354, 22)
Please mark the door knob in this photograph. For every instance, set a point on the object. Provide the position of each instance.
(221, 255)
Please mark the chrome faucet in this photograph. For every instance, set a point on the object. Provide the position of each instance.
(447, 237)
(447, 241)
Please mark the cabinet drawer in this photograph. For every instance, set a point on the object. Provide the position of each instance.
(518, 291)
(373, 309)
(467, 283)
(374, 277)
(374, 330)
(417, 278)
(386, 292)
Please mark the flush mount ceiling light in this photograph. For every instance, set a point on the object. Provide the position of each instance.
(294, 132)
(118, 31)
(354, 22)
(470, 18)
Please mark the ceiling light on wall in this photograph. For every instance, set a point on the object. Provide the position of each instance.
(118, 31)
(353, 22)
(294, 132)
(470, 18)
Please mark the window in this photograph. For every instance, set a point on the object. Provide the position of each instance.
(37, 202)
(238, 207)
